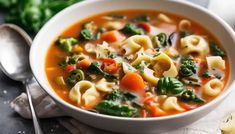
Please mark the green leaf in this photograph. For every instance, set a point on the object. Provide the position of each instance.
(169, 86)
(189, 95)
(86, 34)
(115, 109)
(188, 67)
(132, 29)
(216, 51)
(129, 96)
(114, 95)
(206, 74)
(7, 4)
(31, 15)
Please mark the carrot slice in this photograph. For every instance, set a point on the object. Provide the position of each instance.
(156, 112)
(133, 82)
(84, 64)
(112, 36)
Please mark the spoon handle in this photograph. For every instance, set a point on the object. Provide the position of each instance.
(36, 124)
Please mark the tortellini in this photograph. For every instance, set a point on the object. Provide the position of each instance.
(194, 44)
(85, 94)
(163, 65)
(104, 86)
(171, 104)
(141, 56)
(148, 74)
(101, 50)
(213, 87)
(135, 43)
(215, 62)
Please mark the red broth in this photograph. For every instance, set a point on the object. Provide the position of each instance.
(145, 88)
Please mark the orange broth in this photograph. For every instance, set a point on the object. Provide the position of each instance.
(55, 55)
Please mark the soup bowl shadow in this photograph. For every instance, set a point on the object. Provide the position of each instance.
(70, 15)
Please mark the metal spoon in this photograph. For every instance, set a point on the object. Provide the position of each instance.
(14, 61)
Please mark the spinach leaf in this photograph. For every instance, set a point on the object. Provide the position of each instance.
(189, 95)
(114, 95)
(86, 34)
(132, 29)
(216, 51)
(112, 108)
(169, 86)
(173, 87)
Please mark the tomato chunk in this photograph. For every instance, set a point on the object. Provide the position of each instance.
(110, 66)
(146, 26)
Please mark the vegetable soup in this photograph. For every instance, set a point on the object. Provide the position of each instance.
(137, 63)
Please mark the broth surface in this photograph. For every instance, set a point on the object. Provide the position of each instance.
(150, 64)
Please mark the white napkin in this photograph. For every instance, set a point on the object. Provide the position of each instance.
(46, 108)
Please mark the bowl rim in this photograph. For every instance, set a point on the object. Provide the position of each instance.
(218, 99)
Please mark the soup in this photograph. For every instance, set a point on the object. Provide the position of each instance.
(137, 63)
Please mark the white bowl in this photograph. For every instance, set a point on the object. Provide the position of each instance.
(130, 125)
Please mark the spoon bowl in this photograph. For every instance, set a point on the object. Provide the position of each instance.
(14, 49)
(14, 61)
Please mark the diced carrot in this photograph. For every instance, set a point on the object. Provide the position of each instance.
(133, 82)
(112, 36)
(109, 65)
(77, 49)
(146, 26)
(69, 68)
(84, 64)
(156, 112)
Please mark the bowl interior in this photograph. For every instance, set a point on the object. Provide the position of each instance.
(81, 10)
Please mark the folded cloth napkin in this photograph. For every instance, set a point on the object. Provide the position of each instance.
(46, 107)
